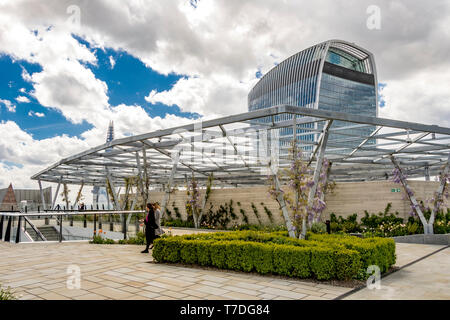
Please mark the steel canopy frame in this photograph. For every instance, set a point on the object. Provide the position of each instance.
(234, 148)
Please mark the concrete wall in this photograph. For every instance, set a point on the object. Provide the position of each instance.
(245, 196)
(355, 197)
(346, 199)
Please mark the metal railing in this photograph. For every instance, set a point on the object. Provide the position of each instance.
(25, 217)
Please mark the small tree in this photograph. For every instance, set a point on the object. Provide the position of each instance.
(193, 206)
(193, 202)
(299, 182)
(65, 195)
(80, 196)
(129, 183)
(109, 190)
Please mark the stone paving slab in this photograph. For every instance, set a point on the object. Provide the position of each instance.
(39, 271)
(408, 252)
(428, 279)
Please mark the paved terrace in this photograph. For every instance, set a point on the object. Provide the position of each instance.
(39, 271)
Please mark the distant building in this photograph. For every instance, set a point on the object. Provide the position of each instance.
(11, 199)
(332, 76)
(99, 194)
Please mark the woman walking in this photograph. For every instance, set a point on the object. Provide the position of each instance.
(158, 230)
(150, 227)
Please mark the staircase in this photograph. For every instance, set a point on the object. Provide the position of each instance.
(49, 232)
(33, 234)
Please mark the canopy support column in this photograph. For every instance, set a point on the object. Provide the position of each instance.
(284, 210)
(322, 196)
(141, 178)
(113, 189)
(170, 183)
(438, 199)
(44, 206)
(146, 179)
(56, 193)
(411, 196)
(427, 173)
(54, 199)
(76, 202)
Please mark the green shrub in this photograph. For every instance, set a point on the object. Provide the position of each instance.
(319, 227)
(167, 249)
(6, 294)
(268, 212)
(322, 263)
(220, 218)
(244, 216)
(257, 227)
(158, 248)
(388, 224)
(139, 239)
(188, 252)
(97, 239)
(178, 223)
(373, 251)
(255, 211)
(412, 228)
(347, 264)
(177, 211)
(218, 254)
(322, 257)
(235, 258)
(292, 261)
(203, 252)
(346, 225)
(261, 257)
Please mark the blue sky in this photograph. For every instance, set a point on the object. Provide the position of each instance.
(128, 81)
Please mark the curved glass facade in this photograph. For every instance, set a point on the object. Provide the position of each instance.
(334, 76)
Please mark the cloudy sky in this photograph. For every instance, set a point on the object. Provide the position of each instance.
(69, 67)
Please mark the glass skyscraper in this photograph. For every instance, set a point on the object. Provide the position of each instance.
(335, 76)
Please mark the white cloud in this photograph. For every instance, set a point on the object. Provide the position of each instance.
(72, 89)
(22, 99)
(424, 98)
(8, 104)
(31, 113)
(112, 62)
(19, 147)
(219, 94)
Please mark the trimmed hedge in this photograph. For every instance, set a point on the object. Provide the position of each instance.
(373, 251)
(322, 257)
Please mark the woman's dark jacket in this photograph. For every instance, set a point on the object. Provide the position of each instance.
(150, 225)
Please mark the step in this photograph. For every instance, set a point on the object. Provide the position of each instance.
(50, 233)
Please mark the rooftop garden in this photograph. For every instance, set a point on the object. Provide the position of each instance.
(319, 257)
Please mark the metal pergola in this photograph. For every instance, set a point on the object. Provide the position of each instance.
(237, 150)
